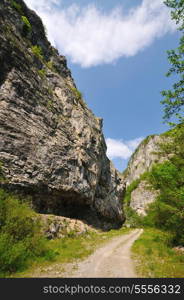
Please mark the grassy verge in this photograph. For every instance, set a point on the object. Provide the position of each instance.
(154, 256)
(70, 249)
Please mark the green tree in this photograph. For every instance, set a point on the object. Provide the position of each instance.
(174, 98)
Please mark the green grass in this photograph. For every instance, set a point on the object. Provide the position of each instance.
(155, 257)
(70, 249)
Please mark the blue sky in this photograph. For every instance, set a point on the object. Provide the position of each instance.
(116, 51)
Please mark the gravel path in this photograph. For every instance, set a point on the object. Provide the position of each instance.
(112, 260)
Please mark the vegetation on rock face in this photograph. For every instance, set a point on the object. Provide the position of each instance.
(17, 6)
(165, 217)
(26, 25)
(21, 240)
(20, 236)
(174, 99)
(49, 65)
(78, 95)
(42, 73)
(167, 212)
(37, 51)
(132, 218)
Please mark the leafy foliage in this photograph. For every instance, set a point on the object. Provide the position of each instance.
(37, 51)
(26, 25)
(129, 190)
(174, 99)
(20, 235)
(49, 65)
(17, 6)
(42, 73)
(167, 212)
(77, 93)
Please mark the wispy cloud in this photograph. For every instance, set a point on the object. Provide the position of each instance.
(92, 37)
(42, 5)
(121, 149)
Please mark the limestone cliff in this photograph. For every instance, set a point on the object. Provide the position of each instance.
(142, 196)
(51, 146)
(145, 156)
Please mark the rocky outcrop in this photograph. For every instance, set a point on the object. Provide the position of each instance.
(51, 145)
(144, 157)
(60, 227)
(148, 153)
(142, 196)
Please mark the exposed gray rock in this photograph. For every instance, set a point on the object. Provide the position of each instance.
(51, 145)
(148, 153)
(60, 227)
(142, 196)
(144, 157)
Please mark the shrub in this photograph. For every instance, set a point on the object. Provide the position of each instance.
(49, 65)
(26, 26)
(134, 220)
(42, 73)
(130, 189)
(20, 234)
(17, 6)
(168, 211)
(37, 51)
(164, 175)
(78, 95)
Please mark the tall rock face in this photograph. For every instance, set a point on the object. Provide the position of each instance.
(145, 156)
(142, 197)
(51, 145)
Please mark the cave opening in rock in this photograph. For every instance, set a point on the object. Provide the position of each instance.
(74, 207)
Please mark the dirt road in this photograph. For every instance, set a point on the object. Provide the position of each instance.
(112, 260)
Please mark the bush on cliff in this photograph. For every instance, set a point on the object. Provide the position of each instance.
(167, 212)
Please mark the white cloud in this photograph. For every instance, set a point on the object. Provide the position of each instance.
(42, 5)
(91, 37)
(121, 149)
